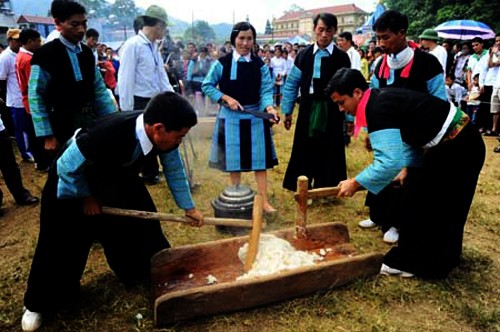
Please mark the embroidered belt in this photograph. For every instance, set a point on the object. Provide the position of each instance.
(454, 123)
(460, 120)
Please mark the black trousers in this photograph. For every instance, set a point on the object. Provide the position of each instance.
(433, 217)
(151, 167)
(67, 234)
(36, 145)
(385, 207)
(484, 118)
(10, 169)
(7, 120)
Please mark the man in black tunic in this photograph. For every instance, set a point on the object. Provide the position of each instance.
(318, 150)
(438, 194)
(403, 65)
(66, 90)
(99, 167)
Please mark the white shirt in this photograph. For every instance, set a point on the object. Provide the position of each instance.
(496, 83)
(476, 65)
(489, 74)
(2, 127)
(440, 53)
(237, 56)
(279, 66)
(289, 64)
(455, 92)
(460, 67)
(141, 71)
(140, 131)
(8, 73)
(54, 34)
(355, 58)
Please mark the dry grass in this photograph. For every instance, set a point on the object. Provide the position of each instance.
(469, 300)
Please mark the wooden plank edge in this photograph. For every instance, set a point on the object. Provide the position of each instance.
(216, 299)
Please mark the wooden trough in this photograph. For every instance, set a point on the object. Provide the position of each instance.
(181, 276)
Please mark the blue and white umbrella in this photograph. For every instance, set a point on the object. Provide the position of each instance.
(464, 30)
(379, 10)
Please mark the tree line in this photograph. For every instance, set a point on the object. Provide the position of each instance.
(425, 14)
(121, 14)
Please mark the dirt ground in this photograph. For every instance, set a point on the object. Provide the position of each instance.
(112, 308)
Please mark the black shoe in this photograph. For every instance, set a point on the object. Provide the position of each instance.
(28, 200)
(490, 133)
(41, 168)
(152, 180)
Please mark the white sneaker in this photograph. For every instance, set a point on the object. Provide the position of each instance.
(367, 223)
(389, 271)
(391, 236)
(31, 320)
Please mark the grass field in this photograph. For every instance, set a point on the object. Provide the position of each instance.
(468, 300)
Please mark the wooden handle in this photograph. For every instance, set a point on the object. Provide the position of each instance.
(253, 240)
(174, 218)
(320, 192)
(302, 194)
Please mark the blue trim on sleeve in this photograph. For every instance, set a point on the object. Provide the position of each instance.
(70, 169)
(176, 177)
(436, 87)
(209, 86)
(37, 88)
(291, 90)
(388, 160)
(266, 88)
(103, 102)
(413, 157)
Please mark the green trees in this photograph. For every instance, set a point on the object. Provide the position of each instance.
(124, 12)
(430, 13)
(200, 33)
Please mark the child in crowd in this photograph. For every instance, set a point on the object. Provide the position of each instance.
(472, 99)
(455, 91)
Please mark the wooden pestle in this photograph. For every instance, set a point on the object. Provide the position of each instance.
(253, 239)
(175, 218)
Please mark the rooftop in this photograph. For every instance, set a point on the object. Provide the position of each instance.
(35, 19)
(340, 9)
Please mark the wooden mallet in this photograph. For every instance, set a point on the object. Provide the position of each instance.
(253, 239)
(175, 218)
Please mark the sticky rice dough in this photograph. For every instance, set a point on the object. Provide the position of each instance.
(274, 255)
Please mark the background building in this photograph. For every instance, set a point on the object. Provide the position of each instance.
(42, 24)
(35, 14)
(300, 23)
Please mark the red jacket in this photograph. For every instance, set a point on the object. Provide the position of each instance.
(23, 71)
(108, 73)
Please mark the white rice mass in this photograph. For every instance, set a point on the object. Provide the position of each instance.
(274, 255)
